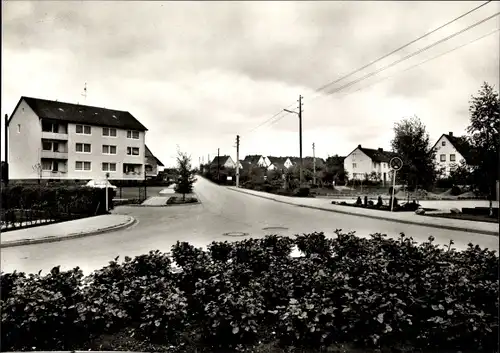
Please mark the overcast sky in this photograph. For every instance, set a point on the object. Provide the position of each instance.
(196, 74)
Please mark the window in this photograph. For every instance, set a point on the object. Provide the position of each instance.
(131, 134)
(374, 165)
(149, 168)
(46, 165)
(86, 166)
(47, 146)
(443, 143)
(83, 148)
(442, 158)
(18, 128)
(354, 165)
(108, 149)
(133, 151)
(109, 167)
(83, 129)
(49, 127)
(106, 131)
(452, 158)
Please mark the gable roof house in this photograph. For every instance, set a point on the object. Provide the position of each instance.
(362, 161)
(152, 163)
(58, 140)
(258, 160)
(223, 161)
(451, 151)
(279, 163)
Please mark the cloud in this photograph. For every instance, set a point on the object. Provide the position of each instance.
(198, 73)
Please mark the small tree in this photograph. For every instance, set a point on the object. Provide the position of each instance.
(37, 168)
(185, 174)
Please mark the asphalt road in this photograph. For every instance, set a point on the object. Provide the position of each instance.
(221, 211)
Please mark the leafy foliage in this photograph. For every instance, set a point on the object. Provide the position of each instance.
(185, 174)
(372, 293)
(29, 203)
(484, 137)
(412, 143)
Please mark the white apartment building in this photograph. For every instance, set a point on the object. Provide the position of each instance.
(56, 140)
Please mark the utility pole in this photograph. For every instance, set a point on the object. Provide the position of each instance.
(237, 161)
(218, 164)
(314, 165)
(300, 137)
(6, 141)
(300, 141)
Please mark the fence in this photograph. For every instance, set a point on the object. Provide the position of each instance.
(26, 206)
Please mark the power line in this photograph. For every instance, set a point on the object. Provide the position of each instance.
(404, 59)
(425, 61)
(371, 63)
(413, 54)
(404, 46)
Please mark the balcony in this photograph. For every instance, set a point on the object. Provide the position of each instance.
(54, 155)
(54, 136)
(48, 174)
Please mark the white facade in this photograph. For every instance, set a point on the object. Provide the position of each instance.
(39, 149)
(358, 164)
(229, 163)
(447, 156)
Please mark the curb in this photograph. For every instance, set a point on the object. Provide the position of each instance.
(52, 239)
(460, 229)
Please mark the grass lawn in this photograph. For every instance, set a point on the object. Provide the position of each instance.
(465, 217)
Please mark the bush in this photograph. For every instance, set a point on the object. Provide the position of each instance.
(455, 190)
(301, 192)
(28, 203)
(239, 295)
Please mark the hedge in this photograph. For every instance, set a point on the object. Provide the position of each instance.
(366, 293)
(24, 203)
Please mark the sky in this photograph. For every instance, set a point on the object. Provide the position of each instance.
(197, 74)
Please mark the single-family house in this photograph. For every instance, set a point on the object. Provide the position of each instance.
(258, 160)
(279, 163)
(451, 151)
(364, 161)
(223, 161)
(152, 163)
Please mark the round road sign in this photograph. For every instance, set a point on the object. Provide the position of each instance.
(396, 163)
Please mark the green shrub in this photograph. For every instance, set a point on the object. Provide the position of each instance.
(371, 293)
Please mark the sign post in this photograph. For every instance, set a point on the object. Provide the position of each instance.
(107, 196)
(395, 164)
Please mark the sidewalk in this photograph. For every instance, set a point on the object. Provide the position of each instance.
(65, 230)
(400, 217)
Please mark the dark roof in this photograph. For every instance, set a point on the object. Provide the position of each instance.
(82, 114)
(148, 153)
(221, 160)
(462, 146)
(319, 161)
(252, 159)
(378, 155)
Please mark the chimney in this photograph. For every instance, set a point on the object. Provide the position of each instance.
(380, 149)
(359, 146)
(451, 133)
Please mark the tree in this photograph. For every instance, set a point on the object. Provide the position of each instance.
(185, 174)
(484, 138)
(37, 168)
(412, 144)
